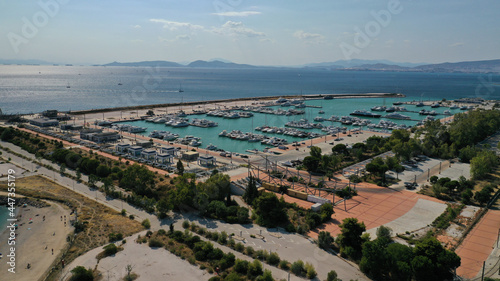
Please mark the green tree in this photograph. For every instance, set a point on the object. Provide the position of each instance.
(326, 211)
(270, 210)
(82, 274)
(146, 224)
(374, 260)
(350, 239)
(62, 169)
(311, 163)
(332, 276)
(433, 262)
(325, 240)
(267, 276)
(251, 192)
(255, 268)
(384, 233)
(92, 181)
(180, 168)
(102, 171)
(340, 149)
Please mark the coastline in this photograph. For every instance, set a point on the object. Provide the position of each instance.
(260, 99)
(35, 239)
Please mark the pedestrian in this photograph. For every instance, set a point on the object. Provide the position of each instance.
(52, 251)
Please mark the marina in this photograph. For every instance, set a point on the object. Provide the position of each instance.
(271, 126)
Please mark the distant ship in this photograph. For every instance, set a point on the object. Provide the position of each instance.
(365, 113)
(180, 89)
(68, 86)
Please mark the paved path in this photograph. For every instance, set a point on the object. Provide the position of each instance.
(291, 248)
(478, 245)
(377, 206)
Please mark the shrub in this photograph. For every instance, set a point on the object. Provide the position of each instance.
(255, 268)
(241, 266)
(239, 247)
(110, 250)
(298, 268)
(162, 232)
(284, 264)
(249, 251)
(115, 237)
(261, 254)
(222, 238)
(82, 274)
(310, 271)
(185, 224)
(273, 259)
(146, 224)
(227, 261)
(332, 276)
(155, 243)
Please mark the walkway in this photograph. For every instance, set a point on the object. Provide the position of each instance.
(377, 206)
(478, 245)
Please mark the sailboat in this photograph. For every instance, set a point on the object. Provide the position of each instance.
(68, 86)
(120, 83)
(180, 88)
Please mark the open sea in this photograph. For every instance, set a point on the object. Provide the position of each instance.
(26, 89)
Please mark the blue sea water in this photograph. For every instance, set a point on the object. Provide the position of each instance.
(338, 107)
(4, 215)
(26, 89)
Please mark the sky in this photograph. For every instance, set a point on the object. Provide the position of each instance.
(279, 32)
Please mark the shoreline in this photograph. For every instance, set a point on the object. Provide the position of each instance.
(262, 98)
(40, 230)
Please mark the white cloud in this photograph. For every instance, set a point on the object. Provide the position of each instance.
(237, 14)
(183, 37)
(309, 37)
(237, 28)
(136, 26)
(174, 25)
(457, 44)
(389, 43)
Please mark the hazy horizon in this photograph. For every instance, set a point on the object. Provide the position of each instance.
(257, 32)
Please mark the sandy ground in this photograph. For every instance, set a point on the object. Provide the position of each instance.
(148, 263)
(35, 241)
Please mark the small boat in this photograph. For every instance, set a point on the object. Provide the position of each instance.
(211, 147)
(365, 113)
(420, 104)
(180, 88)
(321, 112)
(68, 86)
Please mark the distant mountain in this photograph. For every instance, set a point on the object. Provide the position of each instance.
(381, 67)
(361, 65)
(218, 64)
(358, 62)
(157, 63)
(25, 62)
(465, 66)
